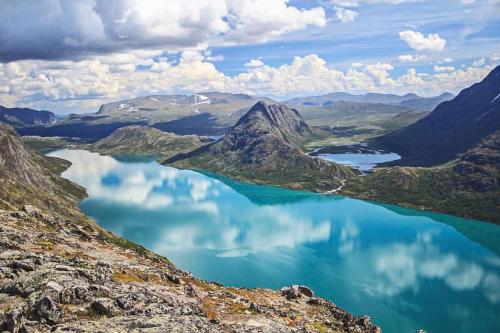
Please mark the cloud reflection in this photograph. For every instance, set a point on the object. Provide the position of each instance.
(153, 187)
(402, 267)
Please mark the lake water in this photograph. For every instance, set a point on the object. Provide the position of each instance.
(407, 269)
(361, 161)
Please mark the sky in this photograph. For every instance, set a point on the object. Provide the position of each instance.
(72, 56)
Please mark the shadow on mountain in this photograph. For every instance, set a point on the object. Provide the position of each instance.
(201, 124)
(80, 130)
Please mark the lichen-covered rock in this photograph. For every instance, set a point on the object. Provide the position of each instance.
(46, 310)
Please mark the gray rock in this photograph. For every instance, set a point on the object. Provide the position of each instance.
(103, 307)
(296, 291)
(31, 210)
(46, 310)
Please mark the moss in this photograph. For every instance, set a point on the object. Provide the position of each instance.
(319, 326)
(46, 245)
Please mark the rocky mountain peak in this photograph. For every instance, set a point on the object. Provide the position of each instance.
(276, 117)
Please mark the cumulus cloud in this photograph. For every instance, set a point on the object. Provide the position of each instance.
(417, 41)
(91, 82)
(69, 29)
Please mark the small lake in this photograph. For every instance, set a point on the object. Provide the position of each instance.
(361, 161)
(406, 269)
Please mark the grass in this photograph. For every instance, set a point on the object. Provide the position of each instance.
(126, 277)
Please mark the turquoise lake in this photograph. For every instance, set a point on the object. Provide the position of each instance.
(406, 269)
(361, 161)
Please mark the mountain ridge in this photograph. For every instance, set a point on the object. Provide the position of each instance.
(25, 117)
(452, 128)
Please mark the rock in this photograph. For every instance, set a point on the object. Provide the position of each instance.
(64, 268)
(103, 307)
(296, 291)
(31, 210)
(54, 286)
(47, 311)
(25, 266)
(13, 321)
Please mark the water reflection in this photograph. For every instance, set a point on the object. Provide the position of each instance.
(400, 266)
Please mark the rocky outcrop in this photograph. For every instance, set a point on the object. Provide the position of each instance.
(60, 272)
(264, 147)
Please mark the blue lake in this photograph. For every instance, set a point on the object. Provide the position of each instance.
(406, 269)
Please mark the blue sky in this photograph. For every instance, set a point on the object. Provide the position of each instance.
(74, 56)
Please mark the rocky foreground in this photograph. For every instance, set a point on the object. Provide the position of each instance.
(60, 272)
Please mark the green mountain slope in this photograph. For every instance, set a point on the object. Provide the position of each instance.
(263, 147)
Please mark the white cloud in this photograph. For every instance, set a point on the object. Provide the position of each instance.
(443, 68)
(55, 29)
(345, 15)
(416, 40)
(479, 62)
(88, 83)
(254, 63)
(411, 58)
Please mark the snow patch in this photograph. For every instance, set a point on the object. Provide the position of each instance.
(200, 99)
(126, 106)
(494, 99)
(153, 99)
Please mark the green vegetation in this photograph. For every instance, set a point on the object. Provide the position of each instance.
(146, 141)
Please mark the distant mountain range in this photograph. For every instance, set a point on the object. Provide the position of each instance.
(215, 113)
(24, 117)
(263, 147)
(452, 128)
(409, 100)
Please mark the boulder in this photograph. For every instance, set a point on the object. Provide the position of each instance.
(46, 310)
(296, 291)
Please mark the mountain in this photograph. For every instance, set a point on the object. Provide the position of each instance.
(452, 128)
(207, 113)
(408, 100)
(403, 119)
(60, 271)
(263, 147)
(24, 117)
(147, 141)
(429, 103)
(23, 173)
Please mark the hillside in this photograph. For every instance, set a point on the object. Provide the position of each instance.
(59, 271)
(403, 119)
(147, 141)
(263, 147)
(468, 186)
(24, 117)
(452, 128)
